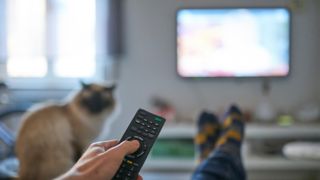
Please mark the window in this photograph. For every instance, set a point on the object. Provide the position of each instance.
(52, 43)
(26, 38)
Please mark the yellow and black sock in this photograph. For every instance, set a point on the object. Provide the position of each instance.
(232, 132)
(207, 134)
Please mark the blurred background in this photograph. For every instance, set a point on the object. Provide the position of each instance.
(47, 46)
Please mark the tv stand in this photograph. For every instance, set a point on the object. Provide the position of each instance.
(257, 166)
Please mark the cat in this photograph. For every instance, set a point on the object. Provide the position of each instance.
(53, 136)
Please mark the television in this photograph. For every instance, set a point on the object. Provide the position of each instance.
(233, 42)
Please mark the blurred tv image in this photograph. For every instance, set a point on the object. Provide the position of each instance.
(233, 42)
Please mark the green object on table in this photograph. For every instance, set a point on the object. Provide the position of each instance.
(179, 148)
(285, 120)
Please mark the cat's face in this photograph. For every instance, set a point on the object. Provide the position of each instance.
(96, 98)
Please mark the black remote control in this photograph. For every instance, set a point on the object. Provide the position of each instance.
(145, 127)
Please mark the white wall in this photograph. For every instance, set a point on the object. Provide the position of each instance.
(318, 55)
(148, 67)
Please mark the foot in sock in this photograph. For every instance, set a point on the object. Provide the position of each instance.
(232, 132)
(207, 134)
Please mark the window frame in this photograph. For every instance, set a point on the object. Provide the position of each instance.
(50, 81)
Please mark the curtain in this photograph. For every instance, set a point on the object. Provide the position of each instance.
(115, 28)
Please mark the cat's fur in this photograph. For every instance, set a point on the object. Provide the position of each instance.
(53, 136)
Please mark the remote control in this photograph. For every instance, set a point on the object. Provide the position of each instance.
(145, 127)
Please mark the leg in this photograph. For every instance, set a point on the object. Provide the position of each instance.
(224, 162)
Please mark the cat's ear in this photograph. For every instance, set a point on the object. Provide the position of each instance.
(111, 87)
(84, 85)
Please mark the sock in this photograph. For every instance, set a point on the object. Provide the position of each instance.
(232, 133)
(207, 134)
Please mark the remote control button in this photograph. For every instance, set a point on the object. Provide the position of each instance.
(151, 135)
(131, 156)
(138, 138)
(136, 164)
(131, 168)
(140, 116)
(129, 162)
(133, 128)
(144, 147)
(140, 154)
(137, 121)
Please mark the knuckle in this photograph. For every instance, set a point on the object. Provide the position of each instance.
(97, 150)
(95, 144)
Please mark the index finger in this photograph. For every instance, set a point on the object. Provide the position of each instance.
(124, 148)
(105, 144)
(98, 148)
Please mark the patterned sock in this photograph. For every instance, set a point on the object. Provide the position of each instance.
(207, 134)
(232, 133)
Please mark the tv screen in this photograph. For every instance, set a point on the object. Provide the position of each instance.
(233, 42)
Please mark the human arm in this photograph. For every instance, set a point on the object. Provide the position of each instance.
(101, 160)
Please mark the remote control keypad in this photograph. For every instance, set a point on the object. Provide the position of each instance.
(126, 170)
(145, 127)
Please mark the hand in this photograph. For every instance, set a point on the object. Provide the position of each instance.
(101, 160)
